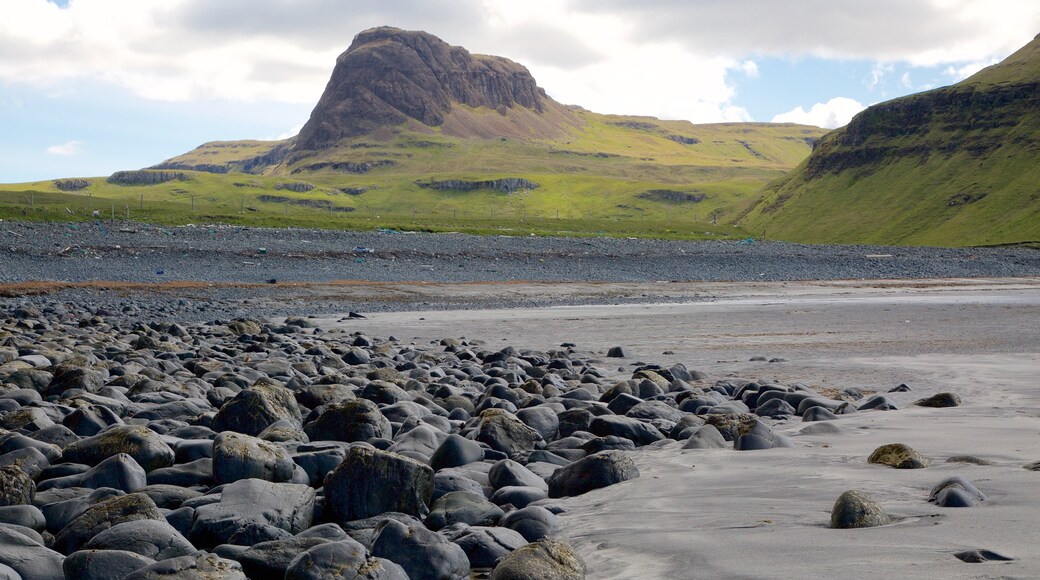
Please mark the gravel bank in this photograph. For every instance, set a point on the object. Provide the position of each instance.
(279, 260)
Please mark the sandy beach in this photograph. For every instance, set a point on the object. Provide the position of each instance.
(764, 514)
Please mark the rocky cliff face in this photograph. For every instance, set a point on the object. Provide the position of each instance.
(389, 76)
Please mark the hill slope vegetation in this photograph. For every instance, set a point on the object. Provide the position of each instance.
(953, 166)
(411, 129)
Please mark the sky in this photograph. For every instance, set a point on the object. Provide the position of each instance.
(90, 87)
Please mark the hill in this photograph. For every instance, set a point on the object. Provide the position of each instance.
(952, 166)
(414, 132)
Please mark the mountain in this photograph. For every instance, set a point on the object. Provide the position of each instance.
(390, 76)
(412, 128)
(952, 166)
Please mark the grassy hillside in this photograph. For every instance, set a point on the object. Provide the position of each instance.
(606, 174)
(955, 166)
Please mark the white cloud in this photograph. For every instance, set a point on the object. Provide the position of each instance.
(922, 32)
(878, 73)
(66, 149)
(959, 73)
(750, 69)
(906, 81)
(669, 58)
(832, 114)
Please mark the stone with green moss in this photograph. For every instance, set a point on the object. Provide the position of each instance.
(545, 559)
(145, 446)
(899, 456)
(855, 509)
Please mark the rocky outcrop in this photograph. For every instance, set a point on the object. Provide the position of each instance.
(323, 204)
(356, 167)
(389, 76)
(505, 185)
(71, 184)
(671, 196)
(146, 177)
(297, 186)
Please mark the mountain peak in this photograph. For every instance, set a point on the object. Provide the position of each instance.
(389, 76)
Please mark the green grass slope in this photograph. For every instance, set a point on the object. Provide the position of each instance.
(602, 174)
(955, 166)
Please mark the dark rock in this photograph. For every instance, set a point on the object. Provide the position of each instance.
(193, 473)
(760, 436)
(593, 472)
(343, 559)
(153, 539)
(286, 506)
(254, 409)
(456, 451)
(27, 516)
(16, 486)
(102, 516)
(979, 556)
(854, 509)
(65, 505)
(462, 507)
(531, 522)
(237, 456)
(971, 459)
(103, 564)
(144, 445)
(272, 559)
(118, 472)
(357, 420)
(370, 482)
(618, 352)
(939, 400)
(502, 431)
(485, 546)
(510, 473)
(420, 552)
(634, 430)
(543, 560)
(956, 492)
(31, 560)
(706, 437)
(200, 566)
(518, 496)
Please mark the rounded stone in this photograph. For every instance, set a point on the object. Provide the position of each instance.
(854, 509)
(899, 456)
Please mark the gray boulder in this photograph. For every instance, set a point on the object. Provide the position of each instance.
(237, 456)
(370, 482)
(104, 515)
(30, 559)
(153, 539)
(421, 553)
(200, 566)
(16, 486)
(463, 507)
(502, 431)
(254, 409)
(144, 445)
(544, 560)
(349, 421)
(342, 560)
(253, 502)
(103, 564)
(854, 509)
(592, 472)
